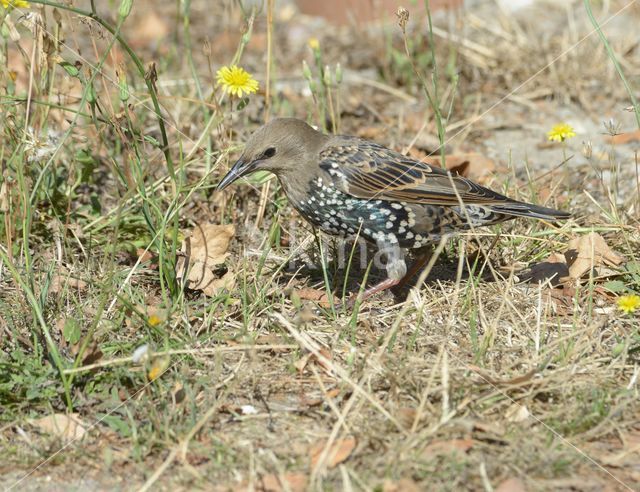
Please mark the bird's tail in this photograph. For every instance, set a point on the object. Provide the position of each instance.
(521, 209)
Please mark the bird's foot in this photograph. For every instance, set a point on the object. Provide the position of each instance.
(379, 287)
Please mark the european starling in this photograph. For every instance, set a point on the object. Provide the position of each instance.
(349, 186)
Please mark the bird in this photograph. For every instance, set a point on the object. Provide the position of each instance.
(348, 186)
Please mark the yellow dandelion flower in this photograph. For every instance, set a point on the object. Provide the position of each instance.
(154, 320)
(314, 44)
(158, 367)
(236, 81)
(21, 4)
(154, 372)
(561, 132)
(628, 304)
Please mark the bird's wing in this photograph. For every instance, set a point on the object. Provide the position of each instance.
(367, 170)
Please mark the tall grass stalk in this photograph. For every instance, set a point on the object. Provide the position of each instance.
(614, 60)
(137, 62)
(433, 94)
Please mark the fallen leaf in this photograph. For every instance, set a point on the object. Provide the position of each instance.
(292, 481)
(146, 256)
(325, 364)
(201, 251)
(338, 452)
(301, 364)
(66, 427)
(563, 298)
(58, 283)
(314, 402)
(511, 485)
(456, 447)
(91, 354)
(318, 295)
(289, 481)
(406, 416)
(471, 165)
(587, 252)
(402, 485)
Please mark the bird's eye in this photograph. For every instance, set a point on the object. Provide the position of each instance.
(270, 152)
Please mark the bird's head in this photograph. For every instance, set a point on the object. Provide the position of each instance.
(280, 147)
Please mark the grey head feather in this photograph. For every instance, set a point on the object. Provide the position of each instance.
(283, 145)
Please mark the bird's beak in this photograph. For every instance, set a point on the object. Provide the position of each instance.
(239, 169)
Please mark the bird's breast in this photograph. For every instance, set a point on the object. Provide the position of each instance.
(379, 221)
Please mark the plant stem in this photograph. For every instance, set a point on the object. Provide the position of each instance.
(614, 60)
(267, 83)
(139, 66)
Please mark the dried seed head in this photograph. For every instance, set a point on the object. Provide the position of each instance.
(403, 17)
(612, 127)
(587, 149)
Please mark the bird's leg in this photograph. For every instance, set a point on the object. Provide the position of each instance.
(418, 264)
(379, 287)
(396, 271)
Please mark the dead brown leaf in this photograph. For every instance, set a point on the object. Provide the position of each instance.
(338, 452)
(562, 296)
(314, 402)
(589, 251)
(201, 251)
(318, 295)
(456, 447)
(406, 416)
(325, 361)
(512, 484)
(402, 485)
(301, 364)
(471, 165)
(292, 481)
(91, 354)
(66, 427)
(58, 282)
(146, 256)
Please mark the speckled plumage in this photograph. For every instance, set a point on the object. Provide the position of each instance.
(346, 186)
